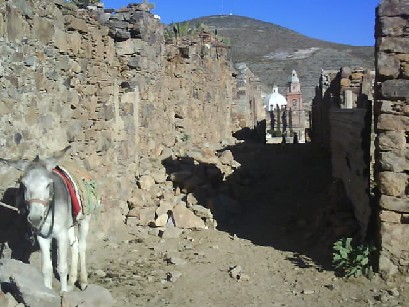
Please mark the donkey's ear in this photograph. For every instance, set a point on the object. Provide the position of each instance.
(17, 164)
(59, 154)
(53, 161)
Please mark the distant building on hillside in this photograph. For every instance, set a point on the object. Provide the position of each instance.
(286, 114)
(295, 106)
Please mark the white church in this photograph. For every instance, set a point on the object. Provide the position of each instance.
(285, 115)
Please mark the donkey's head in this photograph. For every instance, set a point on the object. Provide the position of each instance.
(38, 185)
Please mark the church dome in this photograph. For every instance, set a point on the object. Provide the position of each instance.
(274, 99)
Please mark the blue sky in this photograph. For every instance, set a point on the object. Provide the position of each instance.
(341, 21)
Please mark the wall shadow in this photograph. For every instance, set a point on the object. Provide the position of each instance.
(17, 240)
(277, 197)
(15, 232)
(203, 180)
(283, 191)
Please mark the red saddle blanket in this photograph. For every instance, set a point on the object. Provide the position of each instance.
(75, 201)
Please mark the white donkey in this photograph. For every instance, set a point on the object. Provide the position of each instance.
(48, 203)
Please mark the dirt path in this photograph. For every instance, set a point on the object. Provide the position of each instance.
(275, 252)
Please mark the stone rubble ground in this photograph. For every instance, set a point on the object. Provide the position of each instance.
(271, 246)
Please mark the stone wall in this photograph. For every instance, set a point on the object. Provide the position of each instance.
(109, 85)
(392, 127)
(347, 88)
(349, 160)
(247, 109)
(342, 124)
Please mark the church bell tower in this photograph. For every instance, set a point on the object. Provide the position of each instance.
(295, 106)
(293, 95)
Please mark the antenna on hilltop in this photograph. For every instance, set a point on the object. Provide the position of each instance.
(234, 8)
(222, 7)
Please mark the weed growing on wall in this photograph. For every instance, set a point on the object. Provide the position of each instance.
(185, 137)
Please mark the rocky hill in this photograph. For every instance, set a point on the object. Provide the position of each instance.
(272, 51)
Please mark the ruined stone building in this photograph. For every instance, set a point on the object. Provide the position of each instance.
(250, 123)
(361, 117)
(341, 118)
(124, 95)
(128, 99)
(391, 122)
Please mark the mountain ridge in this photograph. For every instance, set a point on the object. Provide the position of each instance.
(272, 51)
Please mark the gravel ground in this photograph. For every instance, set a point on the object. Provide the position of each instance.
(276, 252)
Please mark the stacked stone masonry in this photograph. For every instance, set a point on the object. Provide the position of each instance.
(392, 128)
(241, 116)
(342, 123)
(344, 89)
(109, 85)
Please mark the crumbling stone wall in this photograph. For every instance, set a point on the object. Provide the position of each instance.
(199, 87)
(247, 110)
(346, 88)
(61, 83)
(108, 85)
(392, 128)
(342, 124)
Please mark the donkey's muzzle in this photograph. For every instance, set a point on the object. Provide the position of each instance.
(35, 220)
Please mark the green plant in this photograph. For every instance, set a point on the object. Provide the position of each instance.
(353, 259)
(185, 137)
(278, 120)
(150, 5)
(168, 33)
(182, 29)
(84, 3)
(275, 133)
(204, 51)
(225, 41)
